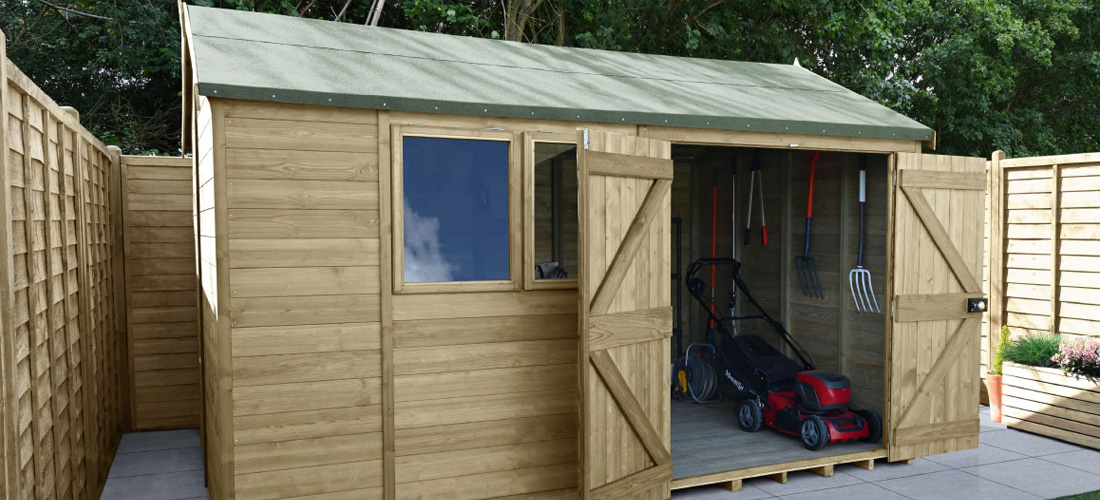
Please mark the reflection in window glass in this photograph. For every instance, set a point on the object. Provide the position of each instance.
(555, 211)
(456, 209)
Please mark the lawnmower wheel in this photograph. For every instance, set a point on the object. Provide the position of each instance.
(815, 433)
(750, 416)
(874, 423)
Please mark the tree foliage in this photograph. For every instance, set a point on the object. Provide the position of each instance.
(1017, 75)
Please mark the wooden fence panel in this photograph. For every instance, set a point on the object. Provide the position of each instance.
(1044, 254)
(162, 317)
(62, 349)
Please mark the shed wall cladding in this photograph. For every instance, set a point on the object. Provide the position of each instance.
(216, 419)
(299, 359)
(160, 264)
(63, 341)
(485, 384)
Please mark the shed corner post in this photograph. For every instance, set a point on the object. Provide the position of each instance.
(9, 481)
(996, 258)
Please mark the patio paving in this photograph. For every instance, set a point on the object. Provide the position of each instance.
(1008, 465)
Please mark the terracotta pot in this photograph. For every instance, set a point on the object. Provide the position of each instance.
(993, 384)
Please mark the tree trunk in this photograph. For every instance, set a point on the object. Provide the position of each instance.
(516, 14)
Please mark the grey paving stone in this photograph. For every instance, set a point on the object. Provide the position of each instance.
(884, 470)
(156, 461)
(987, 423)
(1039, 477)
(1032, 445)
(803, 481)
(982, 455)
(166, 486)
(1083, 459)
(862, 491)
(747, 492)
(159, 440)
(953, 485)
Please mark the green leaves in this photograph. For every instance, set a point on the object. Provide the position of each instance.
(1018, 75)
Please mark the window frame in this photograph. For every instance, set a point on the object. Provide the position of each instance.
(397, 208)
(529, 281)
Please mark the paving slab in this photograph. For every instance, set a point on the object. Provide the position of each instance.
(884, 470)
(156, 461)
(863, 491)
(1039, 477)
(953, 485)
(1086, 460)
(1032, 445)
(159, 440)
(803, 481)
(982, 455)
(166, 486)
(714, 492)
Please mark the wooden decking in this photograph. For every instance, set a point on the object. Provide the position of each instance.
(709, 448)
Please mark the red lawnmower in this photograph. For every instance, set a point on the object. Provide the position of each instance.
(770, 388)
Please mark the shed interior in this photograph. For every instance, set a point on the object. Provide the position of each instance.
(709, 207)
(712, 205)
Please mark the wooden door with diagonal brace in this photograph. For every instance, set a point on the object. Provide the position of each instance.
(937, 263)
(625, 316)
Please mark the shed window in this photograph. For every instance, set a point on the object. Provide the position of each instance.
(455, 210)
(555, 211)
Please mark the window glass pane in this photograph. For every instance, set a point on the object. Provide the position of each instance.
(555, 211)
(456, 209)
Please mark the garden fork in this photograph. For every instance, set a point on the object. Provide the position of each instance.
(859, 279)
(805, 265)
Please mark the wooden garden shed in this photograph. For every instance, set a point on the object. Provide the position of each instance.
(442, 267)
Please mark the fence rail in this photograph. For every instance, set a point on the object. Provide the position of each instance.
(1044, 246)
(63, 349)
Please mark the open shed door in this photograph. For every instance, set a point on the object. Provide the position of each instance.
(937, 252)
(625, 315)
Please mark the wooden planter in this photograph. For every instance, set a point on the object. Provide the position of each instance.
(1046, 401)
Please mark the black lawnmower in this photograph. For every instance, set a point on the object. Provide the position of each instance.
(770, 388)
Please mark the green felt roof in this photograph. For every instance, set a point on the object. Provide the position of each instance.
(245, 55)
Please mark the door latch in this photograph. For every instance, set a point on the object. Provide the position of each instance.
(977, 305)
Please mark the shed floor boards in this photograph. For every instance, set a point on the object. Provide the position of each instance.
(707, 439)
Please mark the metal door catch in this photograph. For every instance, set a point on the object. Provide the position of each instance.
(977, 305)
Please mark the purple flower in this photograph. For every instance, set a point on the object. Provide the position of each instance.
(1079, 357)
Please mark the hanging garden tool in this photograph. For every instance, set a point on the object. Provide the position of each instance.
(711, 332)
(859, 279)
(756, 172)
(804, 264)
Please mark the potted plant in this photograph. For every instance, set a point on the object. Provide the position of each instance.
(993, 378)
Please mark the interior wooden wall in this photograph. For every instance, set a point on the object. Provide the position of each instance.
(544, 201)
(1044, 240)
(160, 272)
(63, 346)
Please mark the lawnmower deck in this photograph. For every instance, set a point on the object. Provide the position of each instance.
(706, 440)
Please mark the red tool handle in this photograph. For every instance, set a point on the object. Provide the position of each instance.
(813, 157)
(764, 230)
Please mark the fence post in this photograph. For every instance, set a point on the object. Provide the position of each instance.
(1055, 241)
(8, 411)
(996, 253)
